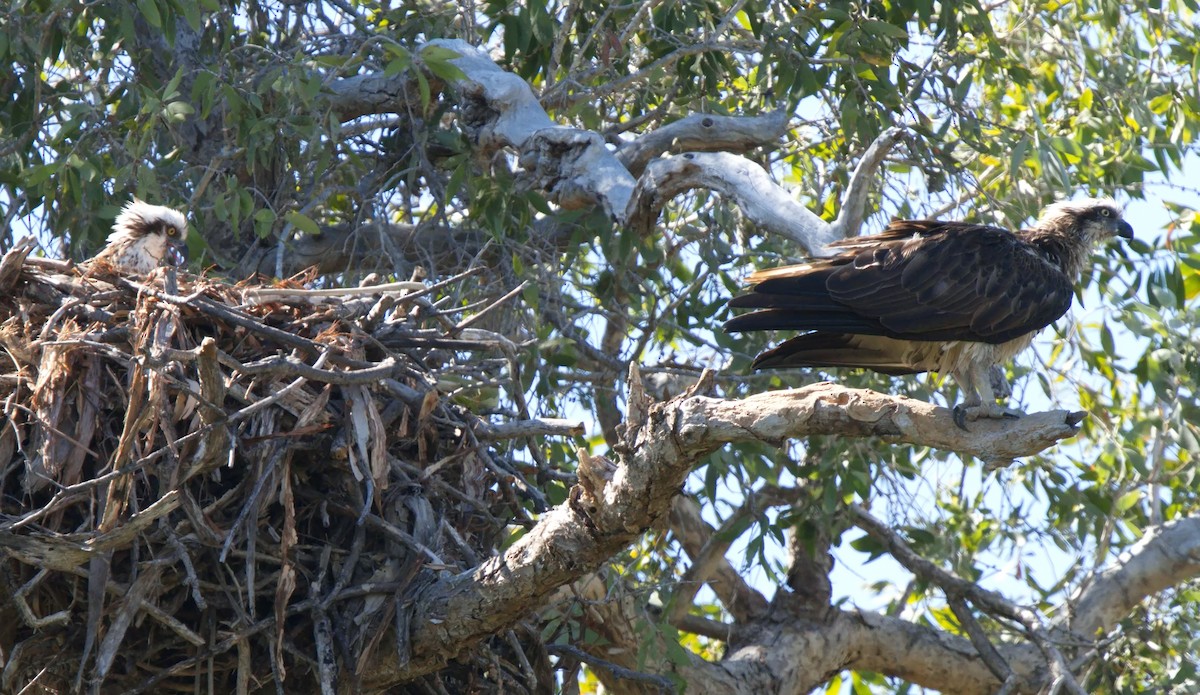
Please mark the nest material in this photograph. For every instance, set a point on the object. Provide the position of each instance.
(203, 494)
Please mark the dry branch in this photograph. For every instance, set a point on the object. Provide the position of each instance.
(759, 197)
(187, 468)
(661, 443)
(270, 437)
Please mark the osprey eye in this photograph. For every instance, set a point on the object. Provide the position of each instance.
(1105, 212)
(171, 231)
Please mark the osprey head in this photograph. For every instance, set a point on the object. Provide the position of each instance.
(1093, 220)
(143, 235)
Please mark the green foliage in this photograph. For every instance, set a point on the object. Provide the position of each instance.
(1009, 106)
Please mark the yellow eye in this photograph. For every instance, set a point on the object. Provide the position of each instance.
(171, 231)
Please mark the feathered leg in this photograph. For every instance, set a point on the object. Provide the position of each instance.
(979, 395)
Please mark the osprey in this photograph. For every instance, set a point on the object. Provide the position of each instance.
(143, 235)
(926, 295)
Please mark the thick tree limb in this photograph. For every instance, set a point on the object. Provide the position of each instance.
(810, 563)
(1166, 556)
(662, 443)
(795, 657)
(704, 132)
(759, 197)
(776, 652)
(368, 94)
(570, 164)
(744, 181)
(577, 169)
(990, 601)
(832, 409)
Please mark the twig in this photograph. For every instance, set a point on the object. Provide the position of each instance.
(267, 294)
(62, 617)
(742, 601)
(663, 684)
(475, 317)
(404, 538)
(277, 396)
(537, 427)
(286, 365)
(706, 562)
(991, 658)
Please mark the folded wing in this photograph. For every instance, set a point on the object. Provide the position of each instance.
(920, 280)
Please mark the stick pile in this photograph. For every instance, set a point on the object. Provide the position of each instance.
(203, 493)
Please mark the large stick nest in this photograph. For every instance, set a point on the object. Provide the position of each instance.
(207, 494)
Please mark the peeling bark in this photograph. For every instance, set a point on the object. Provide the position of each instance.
(662, 443)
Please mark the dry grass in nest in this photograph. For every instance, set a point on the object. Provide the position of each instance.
(202, 494)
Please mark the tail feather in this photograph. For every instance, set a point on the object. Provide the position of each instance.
(808, 319)
(822, 303)
(832, 350)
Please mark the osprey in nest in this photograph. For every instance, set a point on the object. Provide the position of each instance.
(143, 235)
(924, 295)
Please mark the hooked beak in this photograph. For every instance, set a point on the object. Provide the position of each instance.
(1124, 230)
(177, 252)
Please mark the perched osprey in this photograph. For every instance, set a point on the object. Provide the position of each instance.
(925, 295)
(143, 235)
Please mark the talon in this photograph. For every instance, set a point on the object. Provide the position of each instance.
(1075, 418)
(1012, 415)
(960, 417)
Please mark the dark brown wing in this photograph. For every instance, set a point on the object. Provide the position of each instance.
(918, 280)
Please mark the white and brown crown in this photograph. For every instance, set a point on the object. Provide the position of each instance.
(143, 235)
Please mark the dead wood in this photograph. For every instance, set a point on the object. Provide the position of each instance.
(207, 490)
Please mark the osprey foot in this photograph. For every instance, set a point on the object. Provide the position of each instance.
(970, 413)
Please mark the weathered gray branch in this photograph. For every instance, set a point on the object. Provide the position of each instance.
(762, 200)
(539, 427)
(1166, 556)
(704, 132)
(662, 443)
(570, 164)
(854, 200)
(744, 181)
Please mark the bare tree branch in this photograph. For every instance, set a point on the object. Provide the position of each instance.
(742, 601)
(742, 180)
(759, 197)
(854, 201)
(661, 444)
(570, 164)
(1166, 556)
(704, 132)
(990, 601)
(825, 407)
